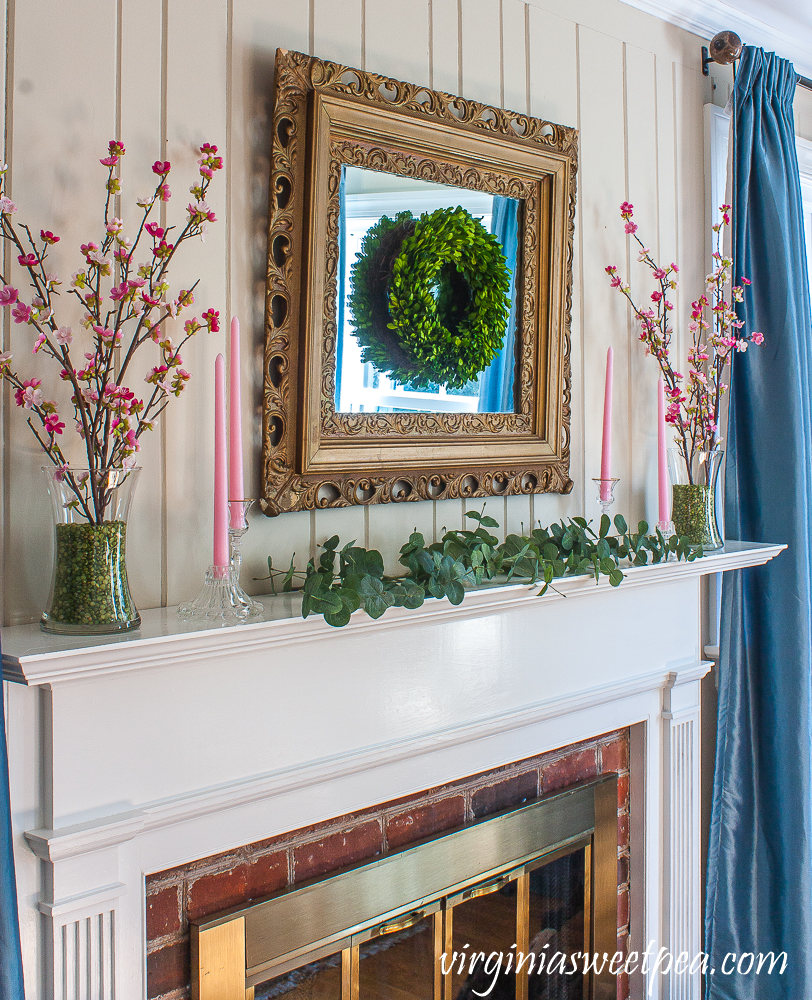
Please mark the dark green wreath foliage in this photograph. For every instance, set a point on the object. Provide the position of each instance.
(352, 577)
(429, 298)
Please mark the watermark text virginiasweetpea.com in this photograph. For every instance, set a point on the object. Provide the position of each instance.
(652, 962)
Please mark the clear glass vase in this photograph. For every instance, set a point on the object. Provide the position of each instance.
(89, 590)
(694, 498)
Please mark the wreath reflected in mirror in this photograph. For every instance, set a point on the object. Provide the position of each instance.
(429, 299)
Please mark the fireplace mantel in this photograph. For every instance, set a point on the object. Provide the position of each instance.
(136, 753)
(33, 657)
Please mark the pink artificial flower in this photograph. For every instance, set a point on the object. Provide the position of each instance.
(659, 273)
(53, 424)
(109, 336)
(116, 148)
(5, 359)
(154, 230)
(98, 258)
(610, 269)
(212, 319)
(746, 281)
(757, 338)
(163, 249)
(164, 192)
(200, 211)
(209, 161)
(631, 228)
(48, 237)
(656, 296)
(64, 336)
(39, 342)
(7, 206)
(8, 295)
(108, 161)
(626, 210)
(132, 441)
(30, 395)
(28, 260)
(615, 282)
(60, 470)
(160, 167)
(674, 268)
(21, 313)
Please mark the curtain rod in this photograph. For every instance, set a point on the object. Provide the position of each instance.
(726, 47)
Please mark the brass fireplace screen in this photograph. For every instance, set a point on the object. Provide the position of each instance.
(481, 911)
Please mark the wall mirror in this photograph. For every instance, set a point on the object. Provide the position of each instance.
(418, 295)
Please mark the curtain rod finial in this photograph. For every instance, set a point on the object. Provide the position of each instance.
(725, 48)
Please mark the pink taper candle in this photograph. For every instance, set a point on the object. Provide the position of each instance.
(606, 449)
(220, 474)
(236, 487)
(662, 467)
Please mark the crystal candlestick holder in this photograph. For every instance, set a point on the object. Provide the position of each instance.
(606, 493)
(666, 528)
(237, 527)
(222, 601)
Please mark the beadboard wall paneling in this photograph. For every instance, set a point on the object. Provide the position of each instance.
(140, 117)
(196, 111)
(630, 83)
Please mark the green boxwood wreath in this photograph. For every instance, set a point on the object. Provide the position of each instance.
(429, 297)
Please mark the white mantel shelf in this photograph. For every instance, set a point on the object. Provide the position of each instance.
(33, 657)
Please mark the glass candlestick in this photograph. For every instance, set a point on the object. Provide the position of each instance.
(222, 600)
(237, 527)
(666, 528)
(606, 493)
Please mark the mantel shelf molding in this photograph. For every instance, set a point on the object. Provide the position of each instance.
(31, 657)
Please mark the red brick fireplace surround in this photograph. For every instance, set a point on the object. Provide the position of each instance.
(203, 887)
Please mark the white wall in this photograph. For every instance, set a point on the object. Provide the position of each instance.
(165, 74)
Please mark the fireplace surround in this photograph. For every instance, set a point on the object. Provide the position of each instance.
(137, 755)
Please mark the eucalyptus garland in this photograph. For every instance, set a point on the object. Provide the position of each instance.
(351, 577)
(429, 298)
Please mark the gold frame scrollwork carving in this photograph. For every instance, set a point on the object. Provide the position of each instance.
(327, 116)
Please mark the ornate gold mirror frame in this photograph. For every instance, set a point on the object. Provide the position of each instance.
(327, 116)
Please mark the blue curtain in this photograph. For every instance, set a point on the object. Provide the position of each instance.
(496, 384)
(11, 965)
(759, 895)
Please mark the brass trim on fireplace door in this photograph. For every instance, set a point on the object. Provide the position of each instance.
(305, 922)
(438, 953)
(522, 930)
(604, 886)
(587, 911)
(218, 953)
